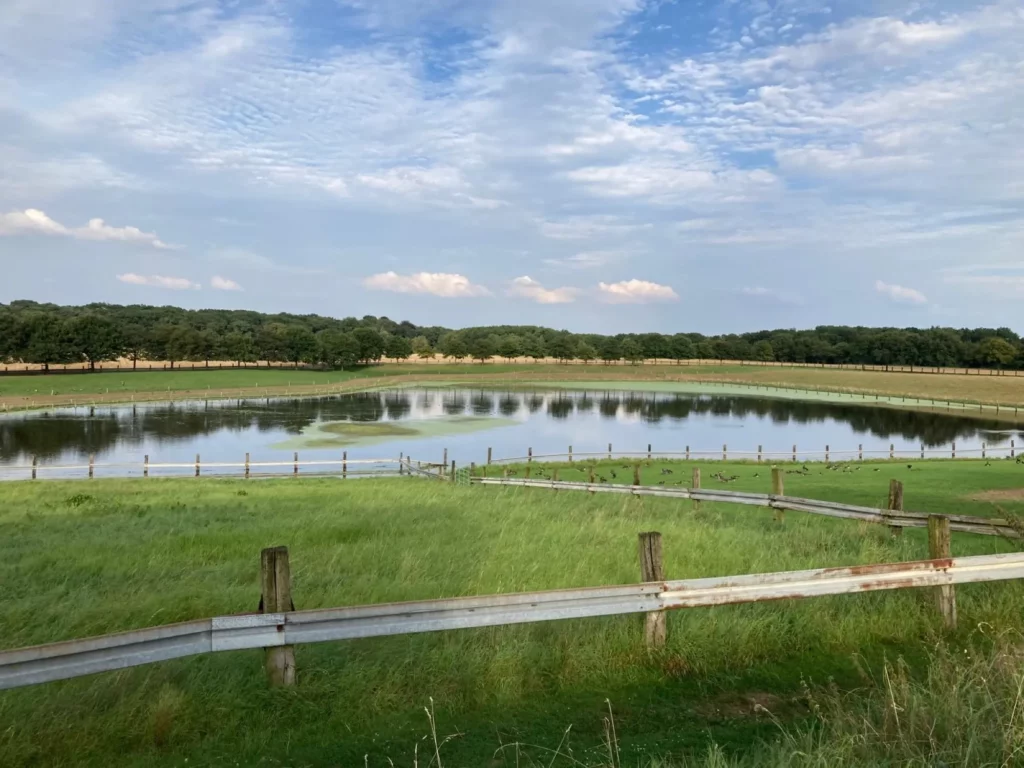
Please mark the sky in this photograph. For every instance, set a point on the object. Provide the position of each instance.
(595, 165)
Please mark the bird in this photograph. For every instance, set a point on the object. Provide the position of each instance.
(661, 482)
(666, 472)
(910, 466)
(602, 478)
(614, 475)
(876, 469)
(757, 474)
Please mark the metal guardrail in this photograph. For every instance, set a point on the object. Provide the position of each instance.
(894, 518)
(76, 658)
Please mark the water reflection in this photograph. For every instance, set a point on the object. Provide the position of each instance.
(83, 431)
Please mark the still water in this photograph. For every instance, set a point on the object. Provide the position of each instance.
(422, 423)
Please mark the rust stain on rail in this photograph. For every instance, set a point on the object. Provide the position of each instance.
(881, 569)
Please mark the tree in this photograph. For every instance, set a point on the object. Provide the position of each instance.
(239, 347)
(996, 351)
(453, 345)
(510, 347)
(300, 345)
(482, 348)
(397, 348)
(610, 350)
(371, 344)
(46, 341)
(337, 349)
(631, 351)
(534, 347)
(562, 347)
(94, 338)
(680, 347)
(654, 346)
(205, 346)
(271, 344)
(134, 342)
(181, 344)
(763, 351)
(585, 352)
(421, 347)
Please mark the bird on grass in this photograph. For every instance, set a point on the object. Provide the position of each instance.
(666, 472)
(757, 474)
(876, 469)
(614, 475)
(602, 478)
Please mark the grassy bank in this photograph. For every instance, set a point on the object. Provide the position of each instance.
(35, 391)
(80, 558)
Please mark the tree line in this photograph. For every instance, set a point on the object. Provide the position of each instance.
(47, 334)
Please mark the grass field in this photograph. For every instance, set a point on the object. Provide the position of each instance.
(35, 391)
(82, 558)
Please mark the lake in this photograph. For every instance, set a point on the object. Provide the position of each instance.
(424, 422)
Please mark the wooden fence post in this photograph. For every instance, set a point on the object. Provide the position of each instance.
(939, 549)
(246, 465)
(636, 473)
(648, 451)
(860, 452)
(778, 489)
(590, 475)
(489, 453)
(529, 462)
(92, 465)
(922, 450)
(695, 485)
(895, 503)
(197, 465)
(794, 452)
(983, 450)
(1012, 448)
(453, 471)
(725, 451)
(35, 463)
(344, 464)
(445, 459)
(145, 465)
(570, 454)
(687, 453)
(826, 452)
(759, 454)
(295, 466)
(652, 569)
(954, 449)
(276, 582)
(609, 450)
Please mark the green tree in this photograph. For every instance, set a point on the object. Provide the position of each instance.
(397, 348)
(134, 342)
(510, 347)
(421, 347)
(562, 347)
(534, 347)
(763, 351)
(300, 345)
(453, 345)
(46, 341)
(996, 351)
(371, 344)
(239, 347)
(610, 350)
(94, 338)
(680, 347)
(482, 348)
(337, 349)
(585, 352)
(632, 351)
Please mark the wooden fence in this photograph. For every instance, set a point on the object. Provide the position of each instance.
(278, 627)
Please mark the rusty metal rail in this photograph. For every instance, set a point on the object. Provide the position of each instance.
(76, 658)
(894, 518)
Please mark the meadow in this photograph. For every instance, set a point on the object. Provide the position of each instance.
(736, 685)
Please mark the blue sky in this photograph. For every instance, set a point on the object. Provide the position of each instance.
(604, 165)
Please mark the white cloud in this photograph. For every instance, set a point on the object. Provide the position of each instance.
(33, 221)
(527, 288)
(224, 284)
(159, 281)
(441, 284)
(900, 293)
(635, 292)
(587, 259)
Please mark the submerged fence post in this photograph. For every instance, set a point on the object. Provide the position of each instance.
(922, 450)
(652, 569)
(648, 451)
(687, 453)
(92, 465)
(695, 486)
(892, 450)
(1012, 449)
(939, 549)
(246, 465)
(895, 503)
(983, 450)
(276, 583)
(778, 489)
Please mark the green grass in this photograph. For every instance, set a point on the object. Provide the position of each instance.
(83, 558)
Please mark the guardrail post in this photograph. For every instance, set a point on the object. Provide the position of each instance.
(92, 465)
(939, 549)
(197, 465)
(35, 463)
(295, 465)
(652, 569)
(636, 473)
(344, 464)
(276, 583)
(778, 489)
(895, 503)
(488, 456)
(758, 454)
(695, 485)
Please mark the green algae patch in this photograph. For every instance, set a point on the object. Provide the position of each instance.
(343, 434)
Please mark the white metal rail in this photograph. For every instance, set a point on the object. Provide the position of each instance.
(895, 518)
(75, 658)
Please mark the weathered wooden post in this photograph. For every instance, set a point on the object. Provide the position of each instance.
(636, 473)
(529, 462)
(778, 489)
(794, 451)
(197, 465)
(445, 459)
(145, 465)
(35, 463)
(758, 454)
(892, 449)
(648, 451)
(687, 453)
(826, 452)
(489, 454)
(1012, 449)
(860, 451)
(92, 465)
(983, 450)
(939, 549)
(609, 450)
(276, 582)
(590, 474)
(554, 476)
(895, 504)
(652, 569)
(725, 451)
(295, 465)
(954, 449)
(453, 471)
(344, 464)
(570, 454)
(922, 450)
(695, 486)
